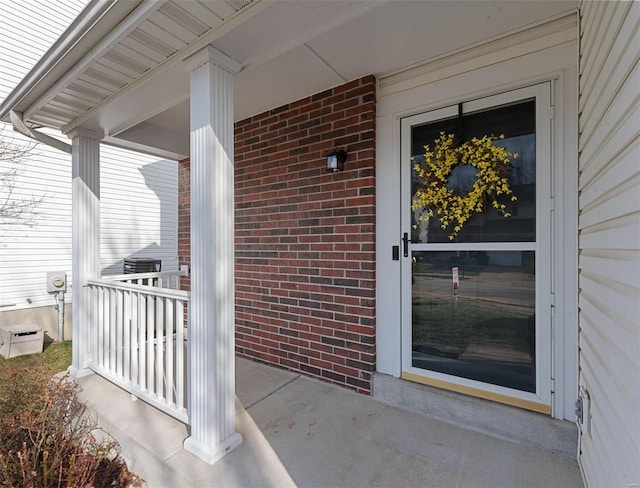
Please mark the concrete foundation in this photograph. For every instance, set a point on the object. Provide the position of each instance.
(494, 419)
(45, 317)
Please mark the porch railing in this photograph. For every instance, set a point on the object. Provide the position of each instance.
(161, 279)
(140, 338)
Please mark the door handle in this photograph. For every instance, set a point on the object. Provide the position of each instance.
(405, 244)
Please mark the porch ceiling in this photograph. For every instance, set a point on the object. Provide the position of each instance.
(123, 75)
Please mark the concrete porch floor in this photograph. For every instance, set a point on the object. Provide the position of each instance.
(302, 432)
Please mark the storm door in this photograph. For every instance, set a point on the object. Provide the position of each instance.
(476, 294)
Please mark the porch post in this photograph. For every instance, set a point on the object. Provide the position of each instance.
(85, 162)
(212, 313)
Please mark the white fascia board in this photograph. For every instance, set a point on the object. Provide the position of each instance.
(71, 37)
(142, 148)
(161, 138)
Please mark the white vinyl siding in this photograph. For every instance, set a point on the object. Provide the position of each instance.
(609, 241)
(138, 192)
(27, 252)
(139, 208)
(27, 29)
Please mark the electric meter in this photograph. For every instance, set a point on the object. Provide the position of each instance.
(56, 281)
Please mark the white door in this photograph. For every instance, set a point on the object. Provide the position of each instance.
(476, 308)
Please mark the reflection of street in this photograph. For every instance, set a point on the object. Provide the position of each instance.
(485, 333)
(516, 289)
(515, 372)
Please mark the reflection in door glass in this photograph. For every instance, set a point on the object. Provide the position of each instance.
(480, 326)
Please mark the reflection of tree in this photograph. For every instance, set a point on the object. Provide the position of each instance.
(523, 169)
(15, 208)
(422, 220)
(462, 179)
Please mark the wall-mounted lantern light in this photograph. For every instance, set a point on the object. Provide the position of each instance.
(336, 160)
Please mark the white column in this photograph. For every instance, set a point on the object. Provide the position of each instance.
(212, 312)
(85, 160)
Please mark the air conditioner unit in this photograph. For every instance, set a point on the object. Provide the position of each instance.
(142, 265)
(20, 340)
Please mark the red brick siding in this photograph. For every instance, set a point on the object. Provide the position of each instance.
(184, 218)
(305, 238)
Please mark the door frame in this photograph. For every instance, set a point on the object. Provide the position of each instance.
(541, 400)
(473, 73)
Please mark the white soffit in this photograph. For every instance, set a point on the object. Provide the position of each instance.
(288, 24)
(141, 102)
(288, 49)
(289, 77)
(550, 34)
(167, 131)
(173, 26)
(278, 67)
(398, 34)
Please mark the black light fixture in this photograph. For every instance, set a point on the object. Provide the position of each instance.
(336, 160)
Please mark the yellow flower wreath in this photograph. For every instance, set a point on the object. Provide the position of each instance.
(453, 209)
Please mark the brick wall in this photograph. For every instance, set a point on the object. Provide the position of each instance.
(305, 238)
(184, 218)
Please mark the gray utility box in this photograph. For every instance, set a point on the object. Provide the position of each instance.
(20, 340)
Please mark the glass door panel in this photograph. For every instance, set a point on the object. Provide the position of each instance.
(472, 304)
(483, 328)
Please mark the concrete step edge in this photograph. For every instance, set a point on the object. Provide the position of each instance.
(494, 419)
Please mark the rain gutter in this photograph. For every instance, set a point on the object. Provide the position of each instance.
(19, 126)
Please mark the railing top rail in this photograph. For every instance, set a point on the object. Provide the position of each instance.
(148, 290)
(142, 276)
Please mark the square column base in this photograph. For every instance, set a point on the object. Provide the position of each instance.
(212, 454)
(79, 373)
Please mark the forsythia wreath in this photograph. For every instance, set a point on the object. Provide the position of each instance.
(453, 209)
